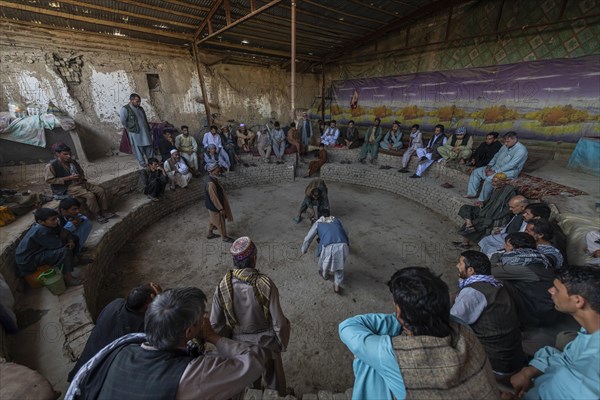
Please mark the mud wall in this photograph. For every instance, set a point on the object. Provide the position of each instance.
(92, 85)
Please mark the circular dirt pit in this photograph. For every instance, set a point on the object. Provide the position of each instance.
(387, 232)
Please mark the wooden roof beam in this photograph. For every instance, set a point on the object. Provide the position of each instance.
(268, 52)
(319, 5)
(206, 22)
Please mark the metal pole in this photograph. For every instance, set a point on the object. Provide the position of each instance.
(293, 62)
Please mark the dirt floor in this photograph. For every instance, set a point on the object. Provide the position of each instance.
(387, 232)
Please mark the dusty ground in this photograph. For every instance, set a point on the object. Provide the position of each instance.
(386, 231)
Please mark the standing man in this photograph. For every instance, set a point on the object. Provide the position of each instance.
(217, 204)
(246, 308)
(430, 153)
(305, 130)
(510, 159)
(485, 305)
(187, 147)
(159, 365)
(415, 142)
(66, 178)
(264, 145)
(133, 119)
(332, 249)
(573, 373)
(371, 144)
(393, 351)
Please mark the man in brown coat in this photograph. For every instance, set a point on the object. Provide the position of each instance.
(215, 200)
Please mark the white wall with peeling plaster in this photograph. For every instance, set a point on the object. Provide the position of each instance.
(253, 95)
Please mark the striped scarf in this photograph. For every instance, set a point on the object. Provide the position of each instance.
(262, 291)
(479, 278)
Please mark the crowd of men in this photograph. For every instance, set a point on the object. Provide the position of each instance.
(153, 343)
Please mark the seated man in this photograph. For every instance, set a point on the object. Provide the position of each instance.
(393, 138)
(480, 220)
(264, 145)
(229, 142)
(66, 178)
(429, 154)
(527, 275)
(118, 318)
(178, 170)
(541, 230)
(154, 179)
(187, 147)
(315, 166)
(211, 156)
(510, 159)
(315, 194)
(246, 308)
(486, 306)
(331, 134)
(460, 146)
(72, 220)
(415, 142)
(486, 151)
(371, 144)
(332, 248)
(245, 138)
(393, 351)
(278, 142)
(293, 138)
(592, 247)
(350, 137)
(573, 373)
(164, 366)
(46, 243)
(495, 242)
(165, 144)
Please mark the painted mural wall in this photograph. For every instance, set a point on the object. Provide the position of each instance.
(527, 32)
(543, 100)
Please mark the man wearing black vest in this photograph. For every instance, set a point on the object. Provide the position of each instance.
(430, 153)
(66, 178)
(163, 363)
(217, 204)
(486, 306)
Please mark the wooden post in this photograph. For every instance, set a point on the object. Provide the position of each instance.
(202, 87)
(293, 63)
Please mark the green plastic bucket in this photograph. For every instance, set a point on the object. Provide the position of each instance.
(54, 281)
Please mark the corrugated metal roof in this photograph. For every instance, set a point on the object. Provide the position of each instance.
(323, 27)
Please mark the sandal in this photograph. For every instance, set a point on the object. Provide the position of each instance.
(101, 220)
(470, 229)
(212, 236)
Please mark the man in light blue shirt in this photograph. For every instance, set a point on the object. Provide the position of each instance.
(573, 373)
(392, 351)
(510, 159)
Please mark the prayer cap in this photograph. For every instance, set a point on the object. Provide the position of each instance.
(242, 248)
(396, 122)
(461, 131)
(173, 151)
(211, 146)
(501, 176)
